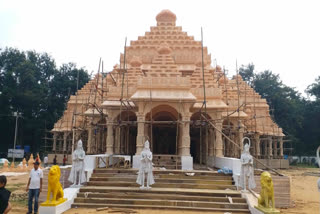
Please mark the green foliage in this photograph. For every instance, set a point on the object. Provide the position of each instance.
(247, 73)
(314, 89)
(311, 125)
(299, 118)
(31, 84)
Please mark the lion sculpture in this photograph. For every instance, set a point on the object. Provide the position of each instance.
(54, 187)
(266, 199)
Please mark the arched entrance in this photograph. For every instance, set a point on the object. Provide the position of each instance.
(228, 147)
(199, 136)
(98, 136)
(163, 130)
(125, 133)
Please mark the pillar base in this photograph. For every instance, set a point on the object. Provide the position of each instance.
(186, 162)
(136, 161)
(211, 161)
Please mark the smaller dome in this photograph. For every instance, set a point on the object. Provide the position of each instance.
(135, 62)
(164, 49)
(166, 16)
(199, 63)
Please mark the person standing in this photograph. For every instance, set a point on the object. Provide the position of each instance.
(5, 205)
(55, 160)
(64, 160)
(34, 187)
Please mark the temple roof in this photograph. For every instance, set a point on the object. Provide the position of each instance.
(166, 64)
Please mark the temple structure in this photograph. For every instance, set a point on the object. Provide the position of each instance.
(157, 93)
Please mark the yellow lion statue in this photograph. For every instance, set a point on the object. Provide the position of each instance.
(54, 187)
(266, 199)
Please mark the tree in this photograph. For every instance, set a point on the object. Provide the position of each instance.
(286, 104)
(31, 84)
(247, 73)
(314, 89)
(311, 125)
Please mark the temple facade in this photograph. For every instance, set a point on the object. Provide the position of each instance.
(156, 93)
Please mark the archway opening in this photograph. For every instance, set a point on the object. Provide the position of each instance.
(199, 137)
(126, 133)
(163, 130)
(229, 149)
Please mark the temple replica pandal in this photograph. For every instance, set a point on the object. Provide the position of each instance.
(157, 93)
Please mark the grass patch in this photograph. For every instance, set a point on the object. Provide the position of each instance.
(19, 203)
(15, 187)
(303, 165)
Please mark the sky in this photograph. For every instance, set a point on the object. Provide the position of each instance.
(281, 36)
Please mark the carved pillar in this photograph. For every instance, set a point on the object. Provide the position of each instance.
(60, 142)
(147, 134)
(281, 146)
(141, 133)
(270, 147)
(211, 142)
(185, 136)
(89, 143)
(123, 133)
(65, 135)
(110, 137)
(219, 146)
(54, 146)
(233, 148)
(117, 140)
(180, 139)
(265, 148)
(257, 142)
(275, 148)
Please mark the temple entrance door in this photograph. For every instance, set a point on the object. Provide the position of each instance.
(164, 139)
(164, 130)
(126, 134)
(195, 144)
(198, 137)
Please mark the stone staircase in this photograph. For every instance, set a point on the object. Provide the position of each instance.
(167, 161)
(204, 191)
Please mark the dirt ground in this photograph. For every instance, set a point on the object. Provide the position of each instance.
(304, 190)
(304, 194)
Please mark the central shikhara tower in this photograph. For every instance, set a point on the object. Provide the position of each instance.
(157, 93)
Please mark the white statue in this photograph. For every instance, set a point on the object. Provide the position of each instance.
(77, 170)
(318, 159)
(247, 170)
(145, 167)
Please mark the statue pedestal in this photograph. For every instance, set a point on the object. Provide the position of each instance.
(70, 194)
(267, 210)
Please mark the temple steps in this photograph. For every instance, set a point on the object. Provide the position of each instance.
(168, 166)
(174, 189)
(161, 185)
(167, 161)
(200, 209)
(162, 172)
(163, 180)
(133, 195)
(161, 202)
(164, 176)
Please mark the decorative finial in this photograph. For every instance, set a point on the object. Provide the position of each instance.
(166, 16)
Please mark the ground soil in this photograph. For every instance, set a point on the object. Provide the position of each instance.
(304, 194)
(304, 190)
